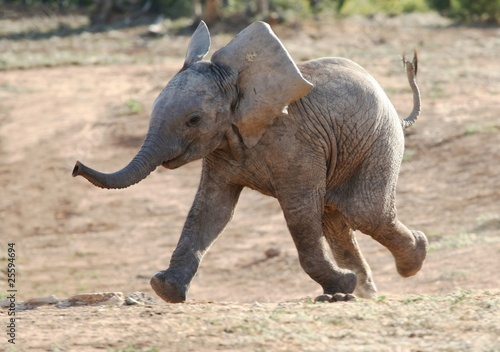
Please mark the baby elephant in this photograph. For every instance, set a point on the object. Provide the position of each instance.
(322, 137)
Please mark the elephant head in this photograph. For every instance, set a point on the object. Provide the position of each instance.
(246, 85)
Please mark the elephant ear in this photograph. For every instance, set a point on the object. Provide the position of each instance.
(267, 79)
(199, 45)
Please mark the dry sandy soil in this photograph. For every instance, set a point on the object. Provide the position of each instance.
(87, 96)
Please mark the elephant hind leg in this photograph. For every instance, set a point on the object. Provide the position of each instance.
(347, 254)
(368, 205)
(408, 247)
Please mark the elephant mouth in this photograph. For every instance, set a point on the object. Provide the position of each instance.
(169, 164)
(180, 158)
(173, 163)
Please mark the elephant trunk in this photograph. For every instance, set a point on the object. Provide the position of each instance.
(147, 159)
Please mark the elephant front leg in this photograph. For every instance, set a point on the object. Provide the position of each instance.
(303, 214)
(211, 211)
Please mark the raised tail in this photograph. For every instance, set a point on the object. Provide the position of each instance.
(411, 72)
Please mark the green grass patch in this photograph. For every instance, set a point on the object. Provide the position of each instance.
(409, 154)
(131, 107)
(370, 7)
(475, 129)
(412, 299)
(436, 91)
(461, 240)
(130, 348)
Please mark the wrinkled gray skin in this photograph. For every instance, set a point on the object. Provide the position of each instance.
(321, 137)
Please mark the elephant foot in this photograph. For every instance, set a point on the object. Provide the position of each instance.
(345, 282)
(366, 289)
(411, 262)
(337, 297)
(167, 289)
(341, 289)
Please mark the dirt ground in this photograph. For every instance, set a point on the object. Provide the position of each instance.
(87, 96)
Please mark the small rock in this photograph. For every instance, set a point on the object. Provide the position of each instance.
(31, 303)
(4, 303)
(272, 252)
(37, 302)
(94, 299)
(157, 28)
(139, 298)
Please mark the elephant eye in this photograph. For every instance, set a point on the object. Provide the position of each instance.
(193, 121)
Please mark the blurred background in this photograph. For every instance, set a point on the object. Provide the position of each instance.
(86, 20)
(105, 12)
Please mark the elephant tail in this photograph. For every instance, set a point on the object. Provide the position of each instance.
(411, 72)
